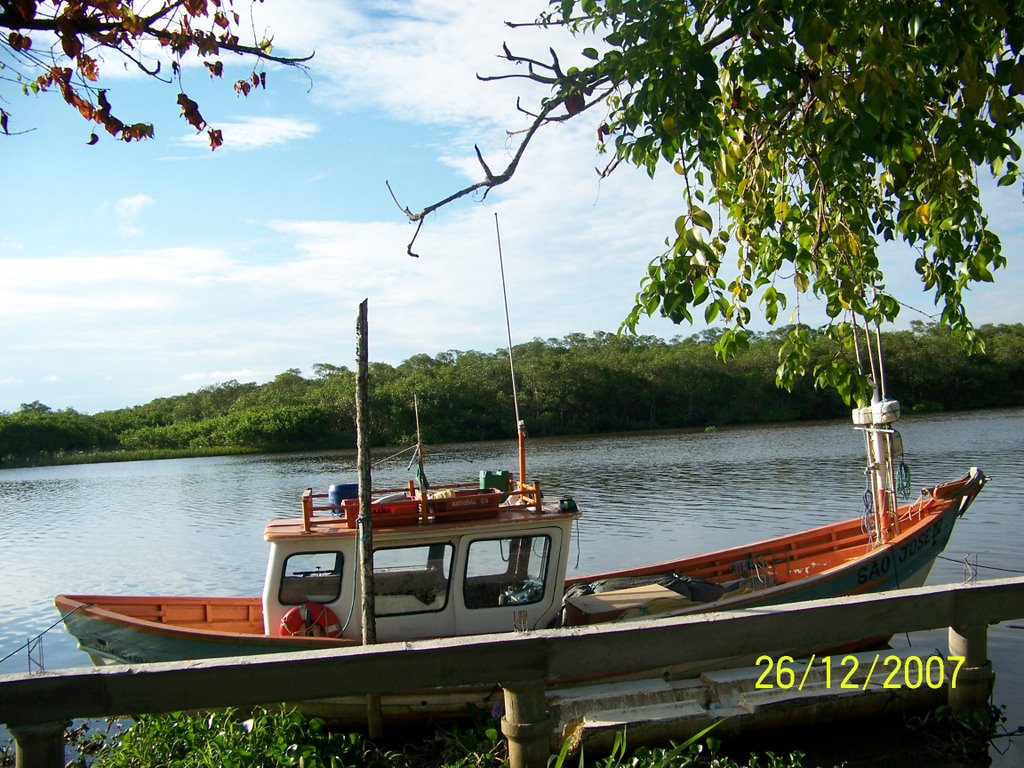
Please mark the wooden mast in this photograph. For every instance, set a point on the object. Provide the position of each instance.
(365, 520)
(421, 474)
(876, 420)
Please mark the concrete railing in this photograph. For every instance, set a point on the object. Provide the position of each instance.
(37, 707)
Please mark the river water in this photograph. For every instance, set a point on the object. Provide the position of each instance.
(194, 526)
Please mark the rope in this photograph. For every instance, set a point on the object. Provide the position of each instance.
(352, 603)
(576, 525)
(394, 456)
(970, 568)
(986, 567)
(867, 521)
(903, 480)
(896, 575)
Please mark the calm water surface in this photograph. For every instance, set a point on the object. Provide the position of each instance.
(194, 526)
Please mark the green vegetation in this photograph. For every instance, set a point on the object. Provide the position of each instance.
(262, 738)
(576, 385)
(275, 739)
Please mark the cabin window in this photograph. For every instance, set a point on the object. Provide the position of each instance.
(510, 571)
(311, 576)
(411, 579)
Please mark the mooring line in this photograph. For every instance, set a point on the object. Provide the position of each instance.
(28, 643)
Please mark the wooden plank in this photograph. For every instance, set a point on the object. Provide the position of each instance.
(572, 653)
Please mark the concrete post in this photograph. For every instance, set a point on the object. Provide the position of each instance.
(975, 678)
(526, 725)
(39, 746)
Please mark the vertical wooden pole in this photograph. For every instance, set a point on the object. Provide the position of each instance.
(39, 746)
(375, 724)
(526, 725)
(975, 679)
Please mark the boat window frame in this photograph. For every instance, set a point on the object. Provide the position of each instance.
(447, 564)
(337, 572)
(526, 595)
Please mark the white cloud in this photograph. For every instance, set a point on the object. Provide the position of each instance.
(130, 206)
(99, 279)
(242, 374)
(247, 133)
(127, 211)
(419, 60)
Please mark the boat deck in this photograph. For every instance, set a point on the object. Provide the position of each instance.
(333, 525)
(241, 615)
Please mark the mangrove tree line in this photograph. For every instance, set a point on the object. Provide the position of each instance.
(575, 385)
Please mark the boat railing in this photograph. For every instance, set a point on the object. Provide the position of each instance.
(964, 488)
(529, 494)
(410, 505)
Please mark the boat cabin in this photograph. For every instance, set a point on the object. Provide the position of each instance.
(459, 560)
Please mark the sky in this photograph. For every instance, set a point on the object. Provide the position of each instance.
(135, 271)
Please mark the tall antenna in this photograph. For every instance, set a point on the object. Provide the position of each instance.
(508, 324)
(881, 363)
(520, 425)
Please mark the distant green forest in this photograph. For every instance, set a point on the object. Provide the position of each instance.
(576, 385)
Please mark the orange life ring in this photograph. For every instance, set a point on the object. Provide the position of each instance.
(310, 620)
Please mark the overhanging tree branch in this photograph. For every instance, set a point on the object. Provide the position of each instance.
(489, 181)
(813, 136)
(573, 97)
(204, 28)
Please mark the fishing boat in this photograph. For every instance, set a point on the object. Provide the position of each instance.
(492, 557)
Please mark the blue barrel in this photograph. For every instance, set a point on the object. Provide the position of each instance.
(338, 492)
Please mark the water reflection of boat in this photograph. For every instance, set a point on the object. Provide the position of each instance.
(492, 557)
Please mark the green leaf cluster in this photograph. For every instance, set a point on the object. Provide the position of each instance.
(808, 133)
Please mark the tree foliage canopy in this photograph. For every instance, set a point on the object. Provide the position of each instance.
(59, 46)
(806, 133)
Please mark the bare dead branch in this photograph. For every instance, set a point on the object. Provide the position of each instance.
(517, 59)
(479, 156)
(489, 181)
(530, 75)
(521, 108)
(555, 66)
(153, 72)
(609, 169)
(395, 198)
(532, 67)
(408, 248)
(547, 22)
